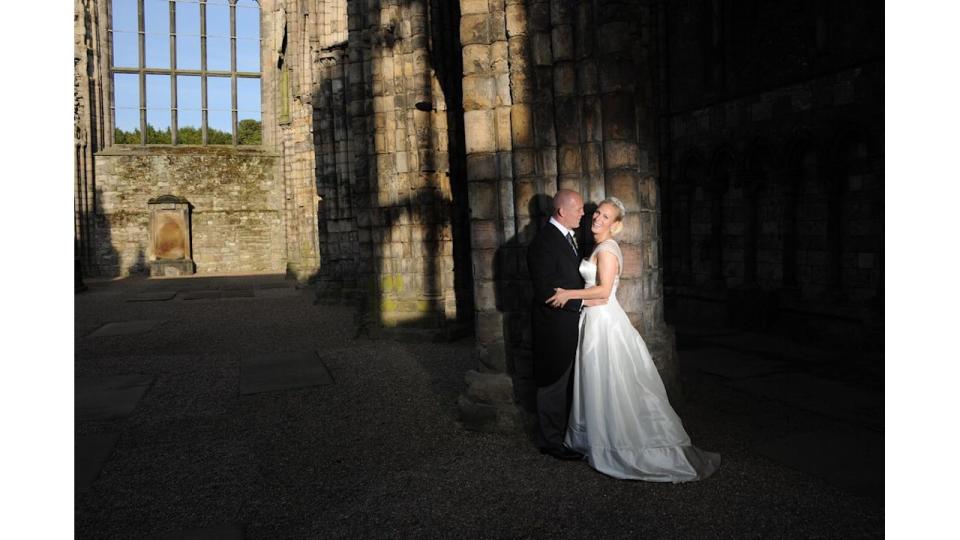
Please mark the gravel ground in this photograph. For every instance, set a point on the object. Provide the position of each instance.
(379, 453)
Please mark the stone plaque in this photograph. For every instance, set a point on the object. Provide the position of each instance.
(170, 236)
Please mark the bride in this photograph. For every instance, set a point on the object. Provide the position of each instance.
(620, 418)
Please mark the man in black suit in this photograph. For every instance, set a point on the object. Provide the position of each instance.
(554, 261)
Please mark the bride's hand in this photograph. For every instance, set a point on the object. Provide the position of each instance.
(559, 298)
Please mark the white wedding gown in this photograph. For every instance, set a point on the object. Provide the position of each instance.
(620, 417)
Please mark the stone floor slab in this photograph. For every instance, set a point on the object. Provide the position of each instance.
(125, 328)
(285, 292)
(823, 396)
(90, 453)
(275, 285)
(157, 296)
(107, 398)
(230, 531)
(282, 371)
(730, 364)
(202, 295)
(850, 458)
(237, 293)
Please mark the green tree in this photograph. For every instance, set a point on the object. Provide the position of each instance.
(249, 132)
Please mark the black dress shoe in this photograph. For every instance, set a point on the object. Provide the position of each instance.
(563, 453)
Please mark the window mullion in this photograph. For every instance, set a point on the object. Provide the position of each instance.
(173, 71)
(142, 54)
(203, 70)
(233, 68)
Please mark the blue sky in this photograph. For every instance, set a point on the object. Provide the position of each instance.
(157, 52)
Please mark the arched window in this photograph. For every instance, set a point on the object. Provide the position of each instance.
(185, 71)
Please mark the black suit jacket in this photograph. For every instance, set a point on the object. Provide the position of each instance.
(553, 263)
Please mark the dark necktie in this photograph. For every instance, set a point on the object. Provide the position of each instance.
(573, 243)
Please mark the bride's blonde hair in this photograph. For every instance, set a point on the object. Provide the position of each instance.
(618, 223)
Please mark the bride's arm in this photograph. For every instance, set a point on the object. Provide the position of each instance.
(607, 264)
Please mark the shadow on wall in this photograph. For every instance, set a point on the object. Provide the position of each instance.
(514, 294)
(413, 227)
(100, 258)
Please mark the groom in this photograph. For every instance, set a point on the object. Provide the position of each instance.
(554, 261)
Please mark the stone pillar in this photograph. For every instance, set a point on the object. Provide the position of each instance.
(489, 401)
(91, 110)
(556, 95)
(630, 149)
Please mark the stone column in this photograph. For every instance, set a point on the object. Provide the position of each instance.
(489, 402)
(91, 110)
(630, 148)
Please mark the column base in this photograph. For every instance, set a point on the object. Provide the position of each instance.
(172, 267)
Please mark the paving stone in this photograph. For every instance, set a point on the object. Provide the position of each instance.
(850, 458)
(198, 285)
(89, 455)
(237, 293)
(826, 397)
(276, 293)
(730, 364)
(157, 296)
(202, 295)
(106, 398)
(229, 531)
(125, 328)
(275, 285)
(282, 371)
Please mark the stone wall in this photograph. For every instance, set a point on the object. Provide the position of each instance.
(255, 209)
(236, 200)
(557, 94)
(384, 95)
(773, 146)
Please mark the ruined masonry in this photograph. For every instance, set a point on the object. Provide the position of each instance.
(410, 149)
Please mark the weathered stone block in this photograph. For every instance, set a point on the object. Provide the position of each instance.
(489, 387)
(475, 29)
(632, 232)
(483, 263)
(479, 92)
(485, 294)
(569, 159)
(516, 15)
(622, 184)
(489, 327)
(480, 132)
(562, 42)
(620, 154)
(524, 161)
(619, 118)
(504, 138)
(476, 59)
(483, 234)
(473, 7)
(483, 199)
(481, 167)
(521, 125)
(541, 42)
(632, 260)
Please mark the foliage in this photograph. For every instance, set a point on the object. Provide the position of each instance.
(249, 132)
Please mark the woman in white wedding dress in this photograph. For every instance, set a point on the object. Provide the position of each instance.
(620, 417)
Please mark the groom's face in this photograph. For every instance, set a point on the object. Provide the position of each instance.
(572, 212)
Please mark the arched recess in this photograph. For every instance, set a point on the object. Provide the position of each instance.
(801, 160)
(855, 216)
(723, 214)
(759, 211)
(693, 173)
